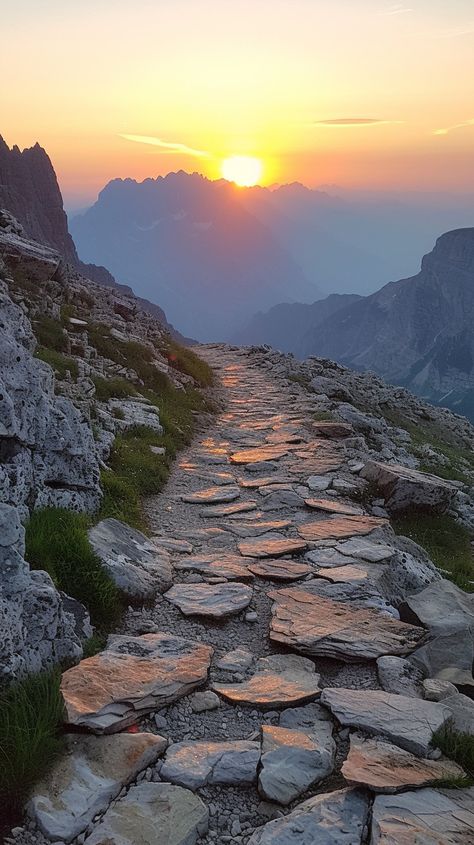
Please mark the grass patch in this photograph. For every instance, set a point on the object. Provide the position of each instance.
(30, 739)
(94, 645)
(49, 333)
(458, 747)
(186, 361)
(60, 363)
(447, 542)
(57, 541)
(320, 416)
(113, 388)
(297, 378)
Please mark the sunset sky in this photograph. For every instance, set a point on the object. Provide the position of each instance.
(366, 93)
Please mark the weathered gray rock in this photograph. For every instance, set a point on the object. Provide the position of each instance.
(297, 754)
(279, 680)
(197, 764)
(383, 767)
(231, 566)
(333, 429)
(408, 722)
(369, 550)
(133, 676)
(404, 488)
(203, 701)
(431, 816)
(216, 600)
(461, 709)
(153, 814)
(86, 778)
(333, 818)
(279, 569)
(409, 571)
(237, 660)
(400, 676)
(135, 564)
(436, 690)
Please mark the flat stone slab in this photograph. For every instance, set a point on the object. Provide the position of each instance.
(329, 558)
(198, 764)
(279, 569)
(133, 676)
(367, 550)
(333, 818)
(312, 466)
(212, 495)
(216, 600)
(256, 528)
(297, 754)
(275, 545)
(228, 510)
(237, 660)
(383, 767)
(339, 526)
(332, 429)
(431, 816)
(153, 814)
(408, 722)
(343, 574)
(264, 480)
(85, 779)
(137, 567)
(333, 506)
(280, 680)
(259, 453)
(404, 488)
(323, 627)
(232, 567)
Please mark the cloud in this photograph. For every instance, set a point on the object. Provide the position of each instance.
(355, 121)
(449, 129)
(165, 146)
(396, 9)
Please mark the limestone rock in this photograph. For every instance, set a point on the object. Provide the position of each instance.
(404, 488)
(435, 690)
(408, 722)
(332, 429)
(135, 564)
(333, 506)
(228, 510)
(461, 709)
(237, 660)
(279, 680)
(87, 777)
(271, 545)
(213, 495)
(155, 814)
(133, 676)
(258, 454)
(333, 818)
(336, 527)
(231, 566)
(400, 676)
(197, 764)
(434, 816)
(366, 549)
(326, 628)
(216, 600)
(279, 569)
(383, 767)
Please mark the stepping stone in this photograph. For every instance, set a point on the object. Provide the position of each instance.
(282, 499)
(314, 466)
(172, 544)
(296, 756)
(257, 528)
(216, 600)
(326, 628)
(328, 558)
(365, 549)
(213, 495)
(259, 454)
(318, 482)
(153, 814)
(133, 676)
(84, 780)
(224, 565)
(136, 565)
(426, 816)
(279, 681)
(333, 506)
(332, 429)
(404, 488)
(343, 574)
(383, 767)
(263, 481)
(274, 545)
(228, 510)
(333, 818)
(339, 526)
(198, 764)
(279, 569)
(408, 722)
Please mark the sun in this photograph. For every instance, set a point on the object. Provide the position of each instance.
(243, 170)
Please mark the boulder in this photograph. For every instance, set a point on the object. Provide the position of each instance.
(133, 676)
(155, 814)
(84, 780)
(279, 680)
(408, 722)
(138, 568)
(431, 816)
(400, 676)
(198, 764)
(404, 488)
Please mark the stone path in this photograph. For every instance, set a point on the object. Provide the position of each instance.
(276, 747)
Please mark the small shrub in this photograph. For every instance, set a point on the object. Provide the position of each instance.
(32, 713)
(186, 361)
(113, 388)
(60, 363)
(68, 310)
(57, 541)
(447, 542)
(50, 333)
(458, 747)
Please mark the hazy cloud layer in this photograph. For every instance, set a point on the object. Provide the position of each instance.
(165, 146)
(354, 121)
(449, 129)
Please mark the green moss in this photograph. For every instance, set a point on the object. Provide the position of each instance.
(32, 713)
(458, 747)
(57, 541)
(49, 333)
(447, 542)
(113, 388)
(60, 363)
